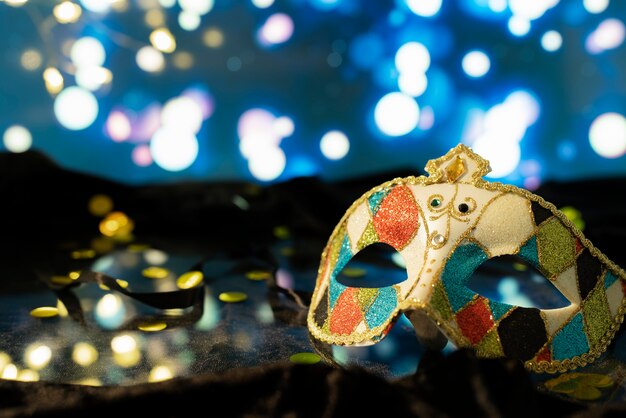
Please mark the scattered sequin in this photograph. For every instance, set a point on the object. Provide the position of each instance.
(233, 297)
(152, 326)
(155, 272)
(83, 254)
(305, 358)
(281, 232)
(44, 312)
(258, 275)
(117, 225)
(190, 279)
(122, 283)
(353, 272)
(61, 280)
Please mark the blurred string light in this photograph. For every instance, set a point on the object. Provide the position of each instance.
(53, 80)
(607, 135)
(595, 6)
(425, 8)
(501, 129)
(67, 12)
(76, 108)
(276, 30)
(608, 35)
(17, 139)
(31, 59)
(97, 6)
(412, 60)
(188, 20)
(476, 64)
(551, 41)
(163, 40)
(396, 114)
(335, 145)
(262, 4)
(260, 134)
(150, 59)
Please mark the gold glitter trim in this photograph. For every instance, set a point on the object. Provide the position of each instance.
(437, 175)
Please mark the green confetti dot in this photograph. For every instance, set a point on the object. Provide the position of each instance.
(233, 297)
(354, 272)
(305, 358)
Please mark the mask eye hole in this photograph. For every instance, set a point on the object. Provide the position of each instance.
(510, 279)
(374, 266)
(435, 201)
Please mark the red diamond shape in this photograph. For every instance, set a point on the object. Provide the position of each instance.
(544, 355)
(346, 314)
(397, 218)
(579, 246)
(475, 320)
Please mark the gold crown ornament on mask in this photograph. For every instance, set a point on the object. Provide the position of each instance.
(445, 226)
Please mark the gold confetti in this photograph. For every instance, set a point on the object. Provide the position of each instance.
(155, 272)
(233, 297)
(305, 358)
(190, 279)
(258, 275)
(61, 280)
(281, 232)
(152, 326)
(100, 205)
(122, 283)
(44, 312)
(74, 275)
(117, 225)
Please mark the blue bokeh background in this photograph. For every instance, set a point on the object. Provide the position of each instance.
(329, 74)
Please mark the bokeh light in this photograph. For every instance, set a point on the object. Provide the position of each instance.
(607, 135)
(163, 40)
(595, 6)
(476, 64)
(412, 57)
(76, 108)
(88, 51)
(118, 126)
(17, 139)
(267, 163)
(262, 4)
(519, 26)
(199, 7)
(608, 35)
(173, 149)
(182, 113)
(31, 59)
(53, 79)
(425, 8)
(150, 59)
(396, 114)
(189, 20)
(37, 356)
(277, 29)
(67, 12)
(551, 41)
(335, 145)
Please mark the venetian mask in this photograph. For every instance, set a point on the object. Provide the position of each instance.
(445, 226)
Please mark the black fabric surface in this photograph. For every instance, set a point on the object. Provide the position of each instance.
(43, 205)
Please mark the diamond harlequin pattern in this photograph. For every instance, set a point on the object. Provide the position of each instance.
(396, 218)
(557, 248)
(475, 320)
(355, 305)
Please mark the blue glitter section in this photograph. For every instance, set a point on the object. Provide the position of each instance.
(529, 252)
(609, 279)
(382, 307)
(571, 340)
(457, 272)
(375, 199)
(345, 254)
(498, 309)
(336, 289)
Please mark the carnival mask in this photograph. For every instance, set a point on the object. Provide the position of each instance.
(445, 226)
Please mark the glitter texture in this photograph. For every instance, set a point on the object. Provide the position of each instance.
(382, 308)
(455, 169)
(571, 340)
(556, 247)
(475, 320)
(597, 315)
(396, 220)
(369, 237)
(489, 346)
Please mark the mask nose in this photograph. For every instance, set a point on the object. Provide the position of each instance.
(428, 334)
